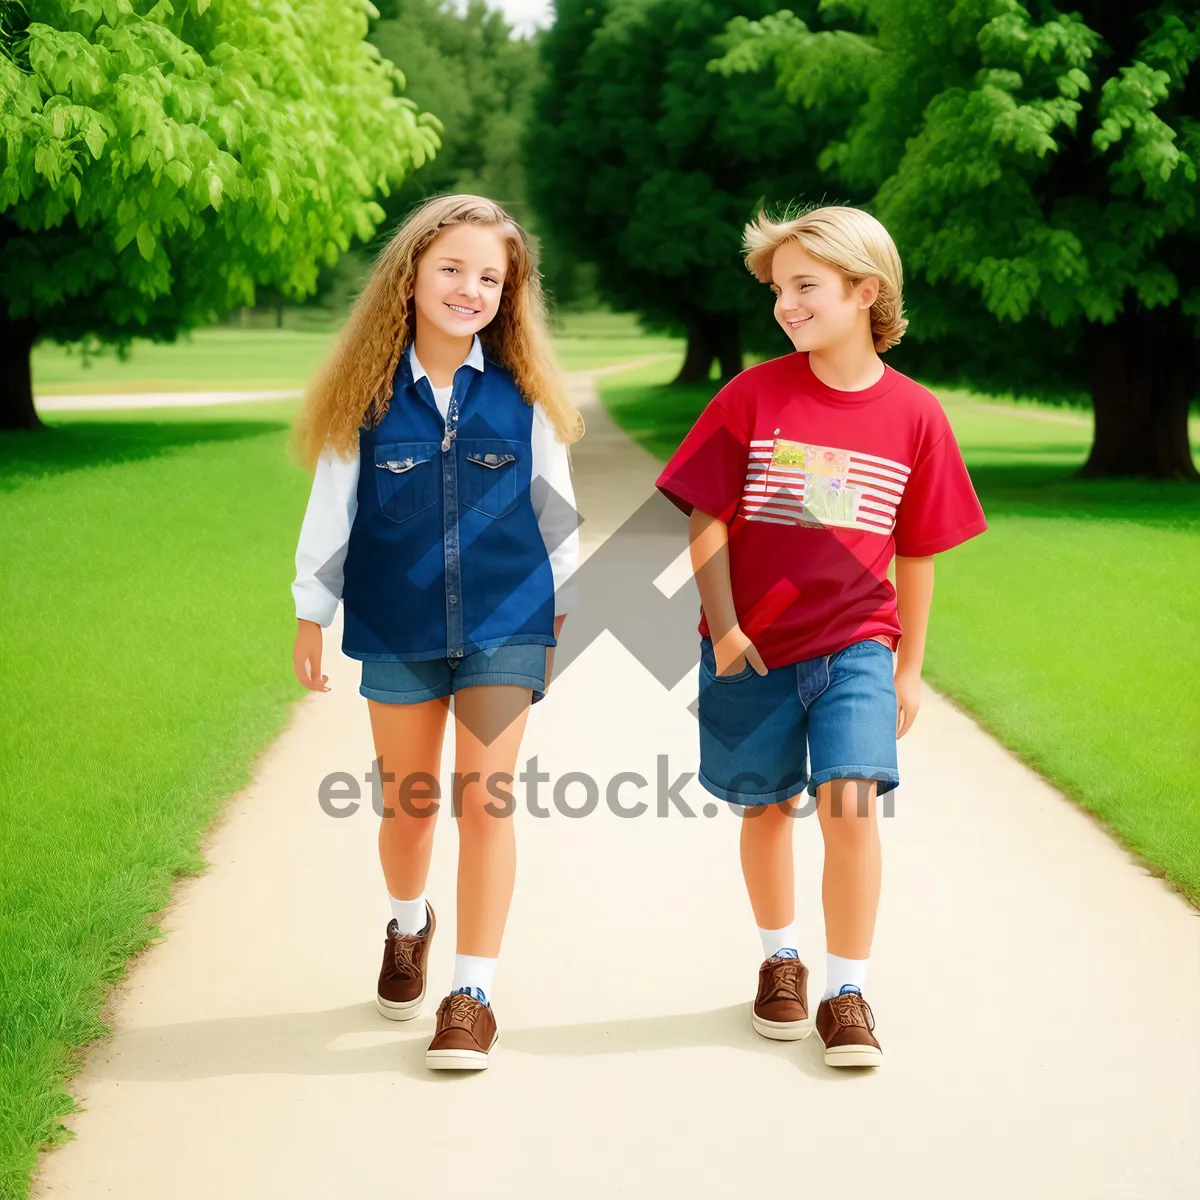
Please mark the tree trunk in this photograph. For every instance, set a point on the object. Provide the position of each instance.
(1145, 371)
(16, 380)
(711, 336)
(729, 346)
(698, 359)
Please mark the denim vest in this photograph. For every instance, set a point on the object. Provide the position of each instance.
(445, 554)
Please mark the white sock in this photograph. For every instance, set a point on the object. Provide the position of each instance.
(471, 971)
(774, 940)
(410, 914)
(840, 971)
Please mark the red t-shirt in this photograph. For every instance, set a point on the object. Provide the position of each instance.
(820, 488)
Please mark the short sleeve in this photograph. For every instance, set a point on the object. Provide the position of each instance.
(939, 508)
(708, 470)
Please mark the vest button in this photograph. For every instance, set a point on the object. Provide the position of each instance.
(453, 599)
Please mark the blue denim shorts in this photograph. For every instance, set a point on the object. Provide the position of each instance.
(754, 729)
(522, 665)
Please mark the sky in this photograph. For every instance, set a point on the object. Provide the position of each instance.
(524, 14)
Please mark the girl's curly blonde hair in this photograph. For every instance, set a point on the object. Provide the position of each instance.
(850, 240)
(353, 386)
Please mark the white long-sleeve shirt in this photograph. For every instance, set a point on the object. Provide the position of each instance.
(333, 503)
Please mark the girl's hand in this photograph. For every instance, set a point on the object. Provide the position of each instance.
(734, 650)
(908, 699)
(306, 657)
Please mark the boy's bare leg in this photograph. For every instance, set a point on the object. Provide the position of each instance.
(767, 863)
(850, 894)
(853, 865)
(780, 1009)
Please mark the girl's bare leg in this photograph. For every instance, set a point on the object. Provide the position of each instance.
(408, 744)
(489, 724)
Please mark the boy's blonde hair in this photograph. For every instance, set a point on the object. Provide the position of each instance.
(354, 384)
(850, 240)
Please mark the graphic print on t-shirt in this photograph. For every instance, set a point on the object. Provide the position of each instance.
(797, 483)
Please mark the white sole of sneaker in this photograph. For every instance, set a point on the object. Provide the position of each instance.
(396, 1010)
(853, 1056)
(459, 1060)
(782, 1031)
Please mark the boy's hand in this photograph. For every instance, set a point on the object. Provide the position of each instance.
(734, 650)
(908, 699)
(306, 657)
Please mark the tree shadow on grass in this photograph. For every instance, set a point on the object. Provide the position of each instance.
(81, 445)
(1040, 481)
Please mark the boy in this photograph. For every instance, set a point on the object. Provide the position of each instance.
(802, 478)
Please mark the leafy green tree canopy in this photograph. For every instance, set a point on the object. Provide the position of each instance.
(160, 161)
(1036, 165)
(468, 68)
(645, 162)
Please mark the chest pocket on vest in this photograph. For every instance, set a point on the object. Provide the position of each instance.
(407, 478)
(487, 481)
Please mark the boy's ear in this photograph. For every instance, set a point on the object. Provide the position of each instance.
(868, 291)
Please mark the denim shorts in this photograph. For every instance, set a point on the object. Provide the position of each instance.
(522, 665)
(754, 729)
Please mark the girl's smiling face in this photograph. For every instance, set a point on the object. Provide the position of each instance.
(815, 304)
(460, 279)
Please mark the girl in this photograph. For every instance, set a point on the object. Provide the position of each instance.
(442, 515)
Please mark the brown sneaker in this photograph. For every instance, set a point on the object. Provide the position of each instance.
(781, 1006)
(401, 988)
(846, 1027)
(465, 1034)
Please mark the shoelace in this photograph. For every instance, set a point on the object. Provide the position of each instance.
(404, 953)
(785, 981)
(852, 1009)
(460, 1010)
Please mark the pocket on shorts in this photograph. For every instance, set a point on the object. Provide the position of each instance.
(406, 478)
(708, 664)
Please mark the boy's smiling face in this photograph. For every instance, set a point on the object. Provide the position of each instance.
(814, 302)
(460, 279)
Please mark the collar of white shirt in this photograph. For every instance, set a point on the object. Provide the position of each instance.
(474, 359)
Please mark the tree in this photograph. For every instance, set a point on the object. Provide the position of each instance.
(465, 65)
(159, 163)
(468, 68)
(645, 162)
(1038, 173)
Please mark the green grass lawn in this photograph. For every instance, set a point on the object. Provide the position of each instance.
(146, 664)
(220, 359)
(232, 359)
(584, 341)
(1068, 630)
